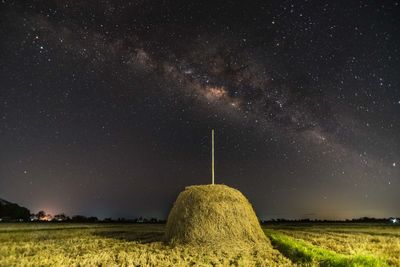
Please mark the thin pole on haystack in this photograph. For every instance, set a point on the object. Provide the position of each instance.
(212, 157)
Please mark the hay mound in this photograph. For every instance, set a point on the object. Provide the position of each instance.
(213, 214)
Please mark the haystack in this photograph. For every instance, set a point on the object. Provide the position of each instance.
(213, 214)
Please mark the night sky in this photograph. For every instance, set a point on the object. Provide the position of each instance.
(106, 107)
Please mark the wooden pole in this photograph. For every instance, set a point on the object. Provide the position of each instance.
(212, 156)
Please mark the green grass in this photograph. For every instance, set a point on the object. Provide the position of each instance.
(381, 240)
(302, 252)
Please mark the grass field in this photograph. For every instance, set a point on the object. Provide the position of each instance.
(367, 244)
(58, 244)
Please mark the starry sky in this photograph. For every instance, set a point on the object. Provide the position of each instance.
(106, 107)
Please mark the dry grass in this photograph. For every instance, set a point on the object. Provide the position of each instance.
(117, 245)
(213, 214)
(37, 244)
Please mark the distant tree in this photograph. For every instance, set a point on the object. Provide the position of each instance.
(41, 215)
(61, 217)
(92, 219)
(12, 211)
(20, 213)
(79, 218)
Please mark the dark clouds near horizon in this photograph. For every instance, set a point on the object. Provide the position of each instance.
(106, 106)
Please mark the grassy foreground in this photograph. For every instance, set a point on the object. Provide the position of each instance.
(141, 245)
(382, 241)
(302, 252)
(117, 245)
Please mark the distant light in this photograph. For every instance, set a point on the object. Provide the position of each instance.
(46, 218)
(394, 164)
(394, 220)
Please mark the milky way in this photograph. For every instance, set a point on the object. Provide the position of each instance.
(304, 97)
